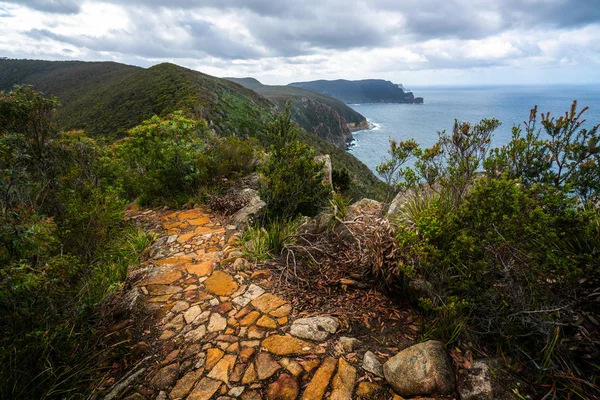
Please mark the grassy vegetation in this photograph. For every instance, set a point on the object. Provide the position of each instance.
(265, 242)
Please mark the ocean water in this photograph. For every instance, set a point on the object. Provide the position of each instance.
(509, 104)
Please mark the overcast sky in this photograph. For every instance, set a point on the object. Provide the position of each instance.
(414, 42)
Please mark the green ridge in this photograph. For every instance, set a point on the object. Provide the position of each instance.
(106, 99)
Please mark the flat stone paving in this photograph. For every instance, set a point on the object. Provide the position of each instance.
(222, 334)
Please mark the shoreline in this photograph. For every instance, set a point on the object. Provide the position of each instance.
(364, 126)
(369, 126)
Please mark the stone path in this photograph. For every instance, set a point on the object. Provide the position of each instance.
(220, 332)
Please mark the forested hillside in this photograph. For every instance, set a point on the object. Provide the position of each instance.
(107, 99)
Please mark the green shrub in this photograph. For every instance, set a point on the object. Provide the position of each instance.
(505, 255)
(62, 242)
(563, 155)
(231, 158)
(86, 209)
(162, 158)
(292, 181)
(48, 341)
(341, 180)
(391, 169)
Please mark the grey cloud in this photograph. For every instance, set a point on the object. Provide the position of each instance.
(50, 6)
(269, 8)
(291, 38)
(465, 19)
(143, 40)
(553, 13)
(290, 30)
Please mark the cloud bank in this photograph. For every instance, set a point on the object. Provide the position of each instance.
(412, 41)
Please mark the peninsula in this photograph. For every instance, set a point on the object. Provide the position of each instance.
(362, 91)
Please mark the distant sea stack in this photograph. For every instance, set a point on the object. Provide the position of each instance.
(363, 91)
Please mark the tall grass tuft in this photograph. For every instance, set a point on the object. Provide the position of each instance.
(261, 243)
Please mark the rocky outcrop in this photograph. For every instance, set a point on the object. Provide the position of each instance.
(361, 126)
(364, 207)
(327, 169)
(322, 120)
(251, 211)
(422, 369)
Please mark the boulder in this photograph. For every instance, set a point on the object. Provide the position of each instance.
(250, 212)
(252, 181)
(130, 302)
(314, 328)
(476, 382)
(399, 201)
(422, 369)
(314, 226)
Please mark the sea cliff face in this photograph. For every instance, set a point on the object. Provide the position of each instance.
(328, 118)
(323, 120)
(363, 91)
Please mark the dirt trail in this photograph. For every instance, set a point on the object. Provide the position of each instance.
(210, 328)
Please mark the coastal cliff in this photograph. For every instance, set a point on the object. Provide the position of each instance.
(327, 117)
(363, 91)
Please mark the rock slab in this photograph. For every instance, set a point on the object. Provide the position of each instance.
(476, 382)
(372, 364)
(314, 328)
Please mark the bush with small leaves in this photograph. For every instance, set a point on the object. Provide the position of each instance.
(510, 254)
(292, 181)
(161, 159)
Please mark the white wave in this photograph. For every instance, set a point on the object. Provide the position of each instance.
(354, 144)
(371, 126)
